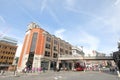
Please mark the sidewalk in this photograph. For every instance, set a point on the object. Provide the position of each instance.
(62, 75)
(11, 73)
(18, 74)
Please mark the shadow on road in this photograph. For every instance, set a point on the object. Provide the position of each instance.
(109, 72)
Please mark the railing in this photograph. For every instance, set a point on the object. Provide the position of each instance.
(63, 57)
(98, 57)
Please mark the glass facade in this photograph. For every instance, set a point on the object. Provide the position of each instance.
(33, 44)
(32, 50)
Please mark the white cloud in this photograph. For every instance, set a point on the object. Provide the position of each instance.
(54, 16)
(113, 18)
(18, 52)
(90, 40)
(70, 3)
(117, 2)
(59, 33)
(2, 19)
(43, 5)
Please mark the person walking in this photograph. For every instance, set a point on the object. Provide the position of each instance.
(44, 69)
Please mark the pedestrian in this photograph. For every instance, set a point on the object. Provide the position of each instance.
(44, 69)
(3, 71)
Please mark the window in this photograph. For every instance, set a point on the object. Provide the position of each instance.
(1, 57)
(3, 51)
(5, 47)
(55, 55)
(70, 53)
(55, 42)
(61, 50)
(61, 44)
(70, 48)
(55, 48)
(33, 44)
(47, 53)
(66, 51)
(48, 39)
(47, 46)
(66, 46)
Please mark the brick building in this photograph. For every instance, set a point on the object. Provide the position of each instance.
(41, 49)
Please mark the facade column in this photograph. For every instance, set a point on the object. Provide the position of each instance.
(49, 63)
(73, 65)
(58, 64)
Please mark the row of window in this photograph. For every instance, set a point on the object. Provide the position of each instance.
(6, 52)
(48, 46)
(6, 57)
(47, 53)
(48, 39)
(62, 51)
(55, 55)
(5, 47)
(5, 63)
(55, 48)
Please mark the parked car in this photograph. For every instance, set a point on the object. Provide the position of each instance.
(80, 69)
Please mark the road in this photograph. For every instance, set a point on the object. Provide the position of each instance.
(62, 75)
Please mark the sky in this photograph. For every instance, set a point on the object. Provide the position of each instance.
(93, 24)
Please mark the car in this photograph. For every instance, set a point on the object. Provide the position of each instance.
(80, 69)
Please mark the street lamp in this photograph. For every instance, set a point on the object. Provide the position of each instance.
(119, 45)
(83, 54)
(116, 58)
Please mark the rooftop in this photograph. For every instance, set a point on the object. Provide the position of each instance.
(8, 40)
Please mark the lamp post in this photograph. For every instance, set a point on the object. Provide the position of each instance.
(15, 65)
(83, 58)
(15, 69)
(116, 58)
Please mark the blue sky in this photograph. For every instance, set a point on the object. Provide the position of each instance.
(93, 24)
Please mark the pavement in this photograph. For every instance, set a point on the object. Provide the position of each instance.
(62, 75)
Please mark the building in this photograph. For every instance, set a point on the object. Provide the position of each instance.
(41, 49)
(77, 51)
(91, 53)
(8, 47)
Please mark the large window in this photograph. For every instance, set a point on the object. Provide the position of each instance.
(33, 44)
(30, 60)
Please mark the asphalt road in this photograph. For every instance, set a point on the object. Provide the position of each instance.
(62, 75)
